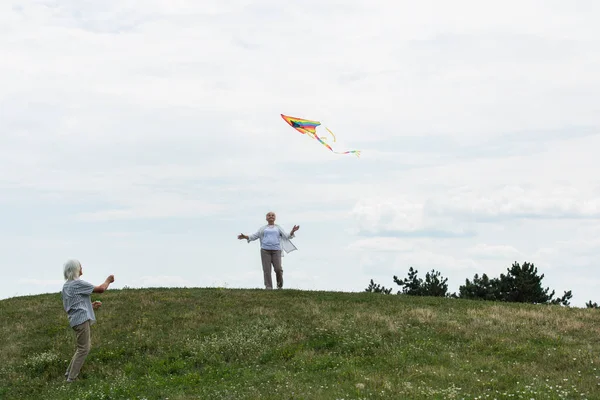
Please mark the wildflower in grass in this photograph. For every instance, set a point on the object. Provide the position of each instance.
(40, 362)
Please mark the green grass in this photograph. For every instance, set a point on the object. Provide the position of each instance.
(255, 344)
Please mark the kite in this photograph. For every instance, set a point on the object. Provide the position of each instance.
(308, 127)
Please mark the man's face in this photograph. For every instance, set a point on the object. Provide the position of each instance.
(271, 217)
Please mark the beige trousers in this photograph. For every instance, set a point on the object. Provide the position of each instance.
(84, 344)
(268, 258)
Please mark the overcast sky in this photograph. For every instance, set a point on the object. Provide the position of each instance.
(141, 137)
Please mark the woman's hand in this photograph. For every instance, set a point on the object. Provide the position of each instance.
(96, 305)
(295, 228)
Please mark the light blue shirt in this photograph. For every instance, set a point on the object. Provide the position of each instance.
(77, 302)
(283, 238)
(271, 239)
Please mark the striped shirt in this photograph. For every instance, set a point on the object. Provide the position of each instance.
(77, 301)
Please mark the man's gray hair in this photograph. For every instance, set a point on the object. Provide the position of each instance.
(71, 270)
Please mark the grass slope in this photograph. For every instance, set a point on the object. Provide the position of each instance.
(249, 344)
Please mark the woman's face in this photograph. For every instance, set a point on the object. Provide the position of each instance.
(271, 217)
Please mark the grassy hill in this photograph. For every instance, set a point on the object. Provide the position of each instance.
(254, 344)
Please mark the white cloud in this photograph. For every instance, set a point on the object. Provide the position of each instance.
(398, 217)
(120, 118)
(516, 201)
(373, 214)
(455, 213)
(428, 260)
(581, 252)
(156, 207)
(502, 252)
(381, 244)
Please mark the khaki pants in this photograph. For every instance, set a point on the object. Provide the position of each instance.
(82, 335)
(273, 257)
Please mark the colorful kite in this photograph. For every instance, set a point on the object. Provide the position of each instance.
(308, 127)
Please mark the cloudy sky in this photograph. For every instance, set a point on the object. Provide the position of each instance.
(142, 137)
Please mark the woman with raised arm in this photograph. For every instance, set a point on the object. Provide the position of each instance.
(79, 308)
(273, 239)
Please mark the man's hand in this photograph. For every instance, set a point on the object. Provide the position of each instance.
(102, 288)
(96, 305)
(242, 236)
(295, 228)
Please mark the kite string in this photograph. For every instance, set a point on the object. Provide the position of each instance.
(328, 130)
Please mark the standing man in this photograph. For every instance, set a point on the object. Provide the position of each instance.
(79, 308)
(273, 239)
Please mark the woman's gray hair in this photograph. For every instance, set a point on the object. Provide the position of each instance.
(71, 270)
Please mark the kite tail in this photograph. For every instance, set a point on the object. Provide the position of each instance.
(355, 152)
(322, 142)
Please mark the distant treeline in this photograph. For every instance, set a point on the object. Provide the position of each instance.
(521, 284)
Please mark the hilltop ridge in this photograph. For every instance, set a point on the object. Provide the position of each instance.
(213, 343)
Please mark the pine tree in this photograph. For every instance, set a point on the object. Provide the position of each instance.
(564, 300)
(589, 304)
(482, 288)
(434, 285)
(522, 284)
(411, 285)
(377, 288)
